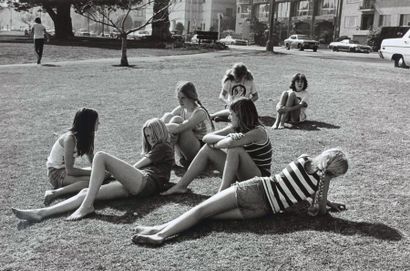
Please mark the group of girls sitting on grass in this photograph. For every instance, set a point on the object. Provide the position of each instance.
(242, 151)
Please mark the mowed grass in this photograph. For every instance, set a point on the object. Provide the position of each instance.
(361, 107)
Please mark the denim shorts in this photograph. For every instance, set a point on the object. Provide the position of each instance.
(251, 199)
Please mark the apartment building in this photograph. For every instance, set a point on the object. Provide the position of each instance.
(318, 18)
(200, 14)
(359, 17)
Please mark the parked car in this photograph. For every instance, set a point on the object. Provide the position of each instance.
(229, 40)
(139, 35)
(301, 42)
(349, 46)
(83, 33)
(397, 50)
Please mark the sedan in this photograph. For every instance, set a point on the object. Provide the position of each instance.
(301, 42)
(349, 46)
(228, 40)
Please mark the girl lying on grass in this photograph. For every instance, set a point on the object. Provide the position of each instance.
(146, 178)
(241, 151)
(78, 141)
(293, 103)
(304, 178)
(188, 122)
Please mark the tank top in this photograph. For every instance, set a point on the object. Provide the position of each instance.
(261, 154)
(292, 185)
(201, 128)
(56, 156)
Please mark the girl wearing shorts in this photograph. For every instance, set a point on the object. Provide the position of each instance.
(148, 177)
(302, 179)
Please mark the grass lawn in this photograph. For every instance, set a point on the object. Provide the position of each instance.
(359, 106)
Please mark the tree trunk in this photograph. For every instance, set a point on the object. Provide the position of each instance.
(62, 20)
(124, 59)
(160, 25)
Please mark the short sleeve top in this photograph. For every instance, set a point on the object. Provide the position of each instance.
(244, 88)
(162, 159)
(39, 31)
(201, 128)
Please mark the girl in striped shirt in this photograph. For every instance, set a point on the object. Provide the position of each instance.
(302, 179)
(241, 150)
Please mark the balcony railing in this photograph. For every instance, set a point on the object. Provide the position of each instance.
(367, 4)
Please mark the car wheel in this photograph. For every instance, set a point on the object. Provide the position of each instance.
(352, 50)
(287, 46)
(400, 63)
(314, 49)
(300, 47)
(335, 49)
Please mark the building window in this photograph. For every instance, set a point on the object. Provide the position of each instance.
(303, 9)
(385, 20)
(245, 9)
(282, 10)
(327, 7)
(350, 22)
(367, 22)
(405, 19)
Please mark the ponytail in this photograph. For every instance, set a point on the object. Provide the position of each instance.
(209, 116)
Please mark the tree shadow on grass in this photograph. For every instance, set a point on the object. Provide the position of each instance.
(127, 67)
(50, 65)
(296, 219)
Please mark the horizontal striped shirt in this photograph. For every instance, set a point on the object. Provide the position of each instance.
(261, 154)
(292, 185)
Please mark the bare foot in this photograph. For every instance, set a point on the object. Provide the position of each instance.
(80, 213)
(147, 239)
(49, 196)
(175, 190)
(29, 215)
(281, 126)
(147, 230)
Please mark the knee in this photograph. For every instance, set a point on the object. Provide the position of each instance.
(176, 119)
(100, 156)
(82, 192)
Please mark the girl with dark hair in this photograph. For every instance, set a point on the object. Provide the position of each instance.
(148, 177)
(241, 150)
(188, 122)
(63, 175)
(237, 82)
(306, 178)
(293, 103)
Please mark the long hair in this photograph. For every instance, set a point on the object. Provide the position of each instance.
(247, 114)
(238, 70)
(159, 133)
(297, 77)
(335, 164)
(83, 129)
(188, 89)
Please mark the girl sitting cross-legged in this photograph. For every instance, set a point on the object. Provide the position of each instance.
(147, 177)
(240, 151)
(302, 179)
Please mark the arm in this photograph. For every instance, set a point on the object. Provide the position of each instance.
(238, 140)
(167, 116)
(223, 96)
(283, 109)
(143, 162)
(69, 145)
(214, 137)
(189, 124)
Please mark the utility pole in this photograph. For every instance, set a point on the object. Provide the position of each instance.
(269, 44)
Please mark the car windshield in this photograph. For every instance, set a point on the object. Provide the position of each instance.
(303, 37)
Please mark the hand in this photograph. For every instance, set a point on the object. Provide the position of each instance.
(235, 136)
(283, 109)
(336, 207)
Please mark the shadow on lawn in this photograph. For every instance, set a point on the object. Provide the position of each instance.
(309, 125)
(50, 65)
(293, 221)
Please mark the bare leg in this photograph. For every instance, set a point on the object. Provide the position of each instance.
(72, 185)
(130, 177)
(219, 203)
(238, 165)
(291, 101)
(279, 116)
(205, 156)
(112, 190)
(188, 144)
